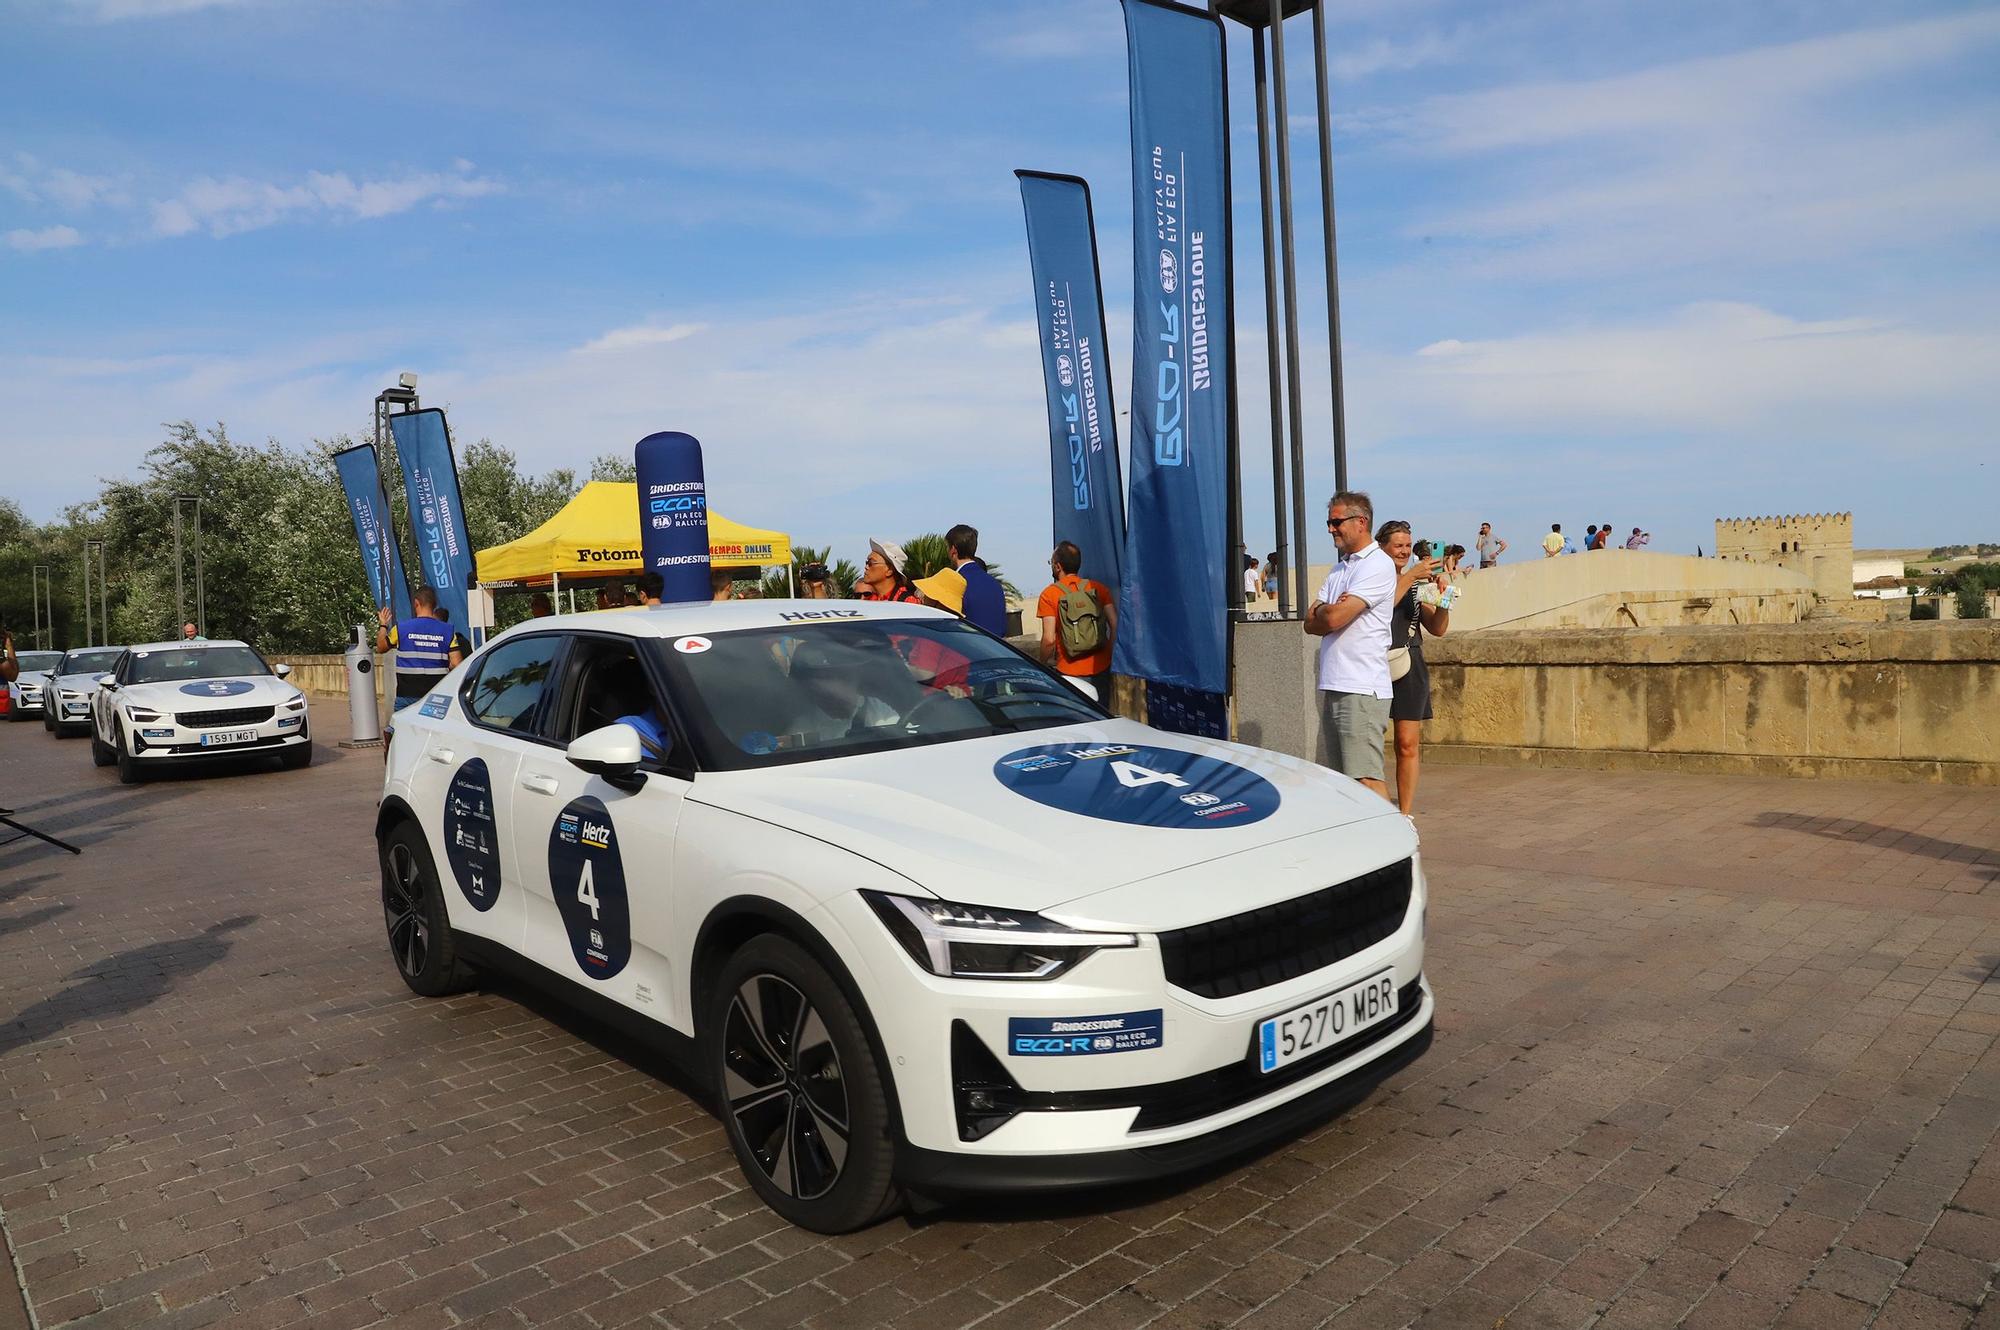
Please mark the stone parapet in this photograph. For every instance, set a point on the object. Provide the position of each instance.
(1894, 701)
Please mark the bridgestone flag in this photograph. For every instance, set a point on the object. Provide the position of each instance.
(1085, 481)
(1172, 623)
(360, 473)
(437, 514)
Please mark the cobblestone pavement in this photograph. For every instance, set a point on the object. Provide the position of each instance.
(1712, 1051)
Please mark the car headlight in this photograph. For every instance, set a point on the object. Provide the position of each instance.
(70, 695)
(981, 942)
(142, 716)
(296, 704)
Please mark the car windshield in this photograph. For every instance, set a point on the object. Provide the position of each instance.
(38, 660)
(163, 665)
(769, 696)
(90, 662)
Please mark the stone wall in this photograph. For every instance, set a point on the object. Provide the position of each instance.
(1906, 701)
(1631, 589)
(326, 675)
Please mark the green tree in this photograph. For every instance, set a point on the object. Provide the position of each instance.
(841, 574)
(925, 554)
(612, 466)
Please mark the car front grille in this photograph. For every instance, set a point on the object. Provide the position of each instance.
(1259, 948)
(212, 720)
(986, 1095)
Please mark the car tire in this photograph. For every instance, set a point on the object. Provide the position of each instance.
(299, 755)
(100, 752)
(48, 720)
(413, 910)
(129, 770)
(792, 1069)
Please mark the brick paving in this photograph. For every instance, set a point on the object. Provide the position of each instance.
(1712, 1052)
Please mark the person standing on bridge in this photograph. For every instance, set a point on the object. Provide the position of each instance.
(1351, 618)
(1490, 546)
(425, 646)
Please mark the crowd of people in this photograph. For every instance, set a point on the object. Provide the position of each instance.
(1595, 537)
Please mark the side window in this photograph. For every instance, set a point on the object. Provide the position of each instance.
(507, 691)
(604, 683)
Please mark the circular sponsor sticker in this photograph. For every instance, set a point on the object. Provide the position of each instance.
(215, 688)
(692, 646)
(1139, 785)
(471, 836)
(588, 879)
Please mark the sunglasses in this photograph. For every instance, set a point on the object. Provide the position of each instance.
(1335, 523)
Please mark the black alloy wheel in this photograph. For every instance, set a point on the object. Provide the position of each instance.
(413, 911)
(129, 770)
(100, 751)
(802, 1098)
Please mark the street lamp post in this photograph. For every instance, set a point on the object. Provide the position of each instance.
(42, 593)
(103, 605)
(200, 591)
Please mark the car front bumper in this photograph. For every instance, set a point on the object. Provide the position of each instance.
(28, 703)
(978, 1114)
(166, 741)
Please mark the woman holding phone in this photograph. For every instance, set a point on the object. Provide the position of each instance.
(1408, 622)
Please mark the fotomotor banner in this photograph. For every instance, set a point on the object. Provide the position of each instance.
(1088, 491)
(1172, 624)
(361, 477)
(437, 517)
(673, 513)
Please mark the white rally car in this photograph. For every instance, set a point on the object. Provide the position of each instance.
(27, 692)
(72, 683)
(920, 915)
(168, 703)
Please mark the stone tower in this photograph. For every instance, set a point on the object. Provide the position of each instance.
(1821, 545)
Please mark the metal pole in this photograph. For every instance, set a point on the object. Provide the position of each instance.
(89, 634)
(1283, 542)
(1332, 264)
(180, 597)
(1284, 135)
(103, 601)
(200, 590)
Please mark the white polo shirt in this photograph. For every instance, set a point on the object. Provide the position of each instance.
(1356, 659)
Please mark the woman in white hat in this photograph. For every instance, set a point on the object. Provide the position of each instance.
(882, 576)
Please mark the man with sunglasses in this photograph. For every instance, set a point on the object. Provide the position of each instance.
(1351, 618)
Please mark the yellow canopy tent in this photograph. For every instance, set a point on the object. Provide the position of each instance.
(597, 535)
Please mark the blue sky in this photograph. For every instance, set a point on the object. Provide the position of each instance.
(1628, 262)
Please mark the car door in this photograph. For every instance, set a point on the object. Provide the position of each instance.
(465, 782)
(599, 871)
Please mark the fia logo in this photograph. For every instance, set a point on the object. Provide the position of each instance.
(1169, 271)
(596, 939)
(1200, 800)
(1065, 371)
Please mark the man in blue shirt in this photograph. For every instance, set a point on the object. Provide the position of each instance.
(425, 646)
(985, 601)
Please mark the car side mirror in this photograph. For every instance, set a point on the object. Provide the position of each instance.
(107, 681)
(613, 752)
(281, 669)
(1084, 686)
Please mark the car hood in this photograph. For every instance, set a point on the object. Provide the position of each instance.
(77, 683)
(209, 694)
(1041, 821)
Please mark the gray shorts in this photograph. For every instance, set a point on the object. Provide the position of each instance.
(1354, 724)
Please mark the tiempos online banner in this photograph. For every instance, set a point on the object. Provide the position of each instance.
(437, 515)
(1172, 622)
(1085, 481)
(361, 477)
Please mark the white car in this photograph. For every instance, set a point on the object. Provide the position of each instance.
(170, 703)
(920, 915)
(72, 683)
(26, 692)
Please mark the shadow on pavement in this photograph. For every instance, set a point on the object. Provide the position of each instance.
(21, 887)
(1894, 838)
(21, 923)
(122, 983)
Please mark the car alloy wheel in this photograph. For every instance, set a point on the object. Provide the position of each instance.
(799, 1086)
(786, 1091)
(413, 910)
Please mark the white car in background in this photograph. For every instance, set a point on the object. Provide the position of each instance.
(171, 703)
(26, 692)
(72, 683)
(920, 915)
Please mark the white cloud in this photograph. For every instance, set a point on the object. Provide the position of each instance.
(1720, 369)
(112, 11)
(1779, 154)
(49, 237)
(29, 179)
(223, 207)
(644, 335)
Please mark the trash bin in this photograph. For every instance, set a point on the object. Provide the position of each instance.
(362, 713)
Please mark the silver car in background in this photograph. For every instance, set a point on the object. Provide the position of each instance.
(73, 682)
(24, 694)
